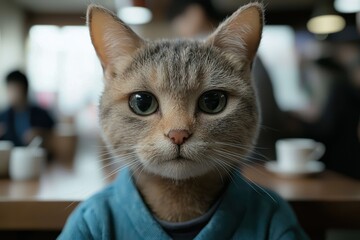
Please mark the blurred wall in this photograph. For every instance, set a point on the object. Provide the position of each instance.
(12, 41)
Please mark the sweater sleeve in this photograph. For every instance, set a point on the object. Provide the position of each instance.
(292, 235)
(78, 227)
(284, 225)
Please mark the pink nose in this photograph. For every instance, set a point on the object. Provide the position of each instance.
(178, 136)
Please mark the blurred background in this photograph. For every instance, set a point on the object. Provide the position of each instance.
(308, 75)
(307, 72)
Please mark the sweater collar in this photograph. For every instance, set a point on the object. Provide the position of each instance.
(228, 214)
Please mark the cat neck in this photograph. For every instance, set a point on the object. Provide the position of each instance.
(179, 200)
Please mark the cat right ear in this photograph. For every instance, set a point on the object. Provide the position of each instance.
(113, 40)
(240, 34)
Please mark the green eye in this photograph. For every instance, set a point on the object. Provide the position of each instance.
(143, 103)
(213, 101)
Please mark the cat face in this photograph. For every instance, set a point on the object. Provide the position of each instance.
(179, 108)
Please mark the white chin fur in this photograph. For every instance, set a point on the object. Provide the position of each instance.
(177, 171)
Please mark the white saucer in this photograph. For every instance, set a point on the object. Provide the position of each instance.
(312, 168)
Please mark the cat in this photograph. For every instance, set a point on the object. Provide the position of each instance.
(182, 115)
(183, 81)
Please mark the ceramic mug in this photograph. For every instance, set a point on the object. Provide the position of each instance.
(294, 154)
(5, 151)
(26, 163)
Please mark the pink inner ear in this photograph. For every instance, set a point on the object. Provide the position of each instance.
(111, 37)
(252, 34)
(97, 22)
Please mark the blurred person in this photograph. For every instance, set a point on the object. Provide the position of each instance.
(22, 120)
(274, 122)
(355, 76)
(336, 119)
(348, 54)
(194, 18)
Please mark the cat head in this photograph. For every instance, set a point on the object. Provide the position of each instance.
(179, 108)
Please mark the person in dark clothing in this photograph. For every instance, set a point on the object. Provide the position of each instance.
(273, 119)
(22, 121)
(194, 18)
(337, 125)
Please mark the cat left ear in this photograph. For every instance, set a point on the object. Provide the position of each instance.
(111, 38)
(240, 34)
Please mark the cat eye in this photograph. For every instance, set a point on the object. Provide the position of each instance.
(212, 102)
(143, 103)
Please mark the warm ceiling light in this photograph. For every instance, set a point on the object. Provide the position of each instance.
(135, 15)
(325, 19)
(326, 24)
(347, 6)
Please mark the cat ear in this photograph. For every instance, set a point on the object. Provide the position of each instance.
(111, 37)
(241, 33)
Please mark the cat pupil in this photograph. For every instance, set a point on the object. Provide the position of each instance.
(212, 100)
(143, 101)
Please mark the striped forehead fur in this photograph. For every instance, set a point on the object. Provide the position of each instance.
(181, 64)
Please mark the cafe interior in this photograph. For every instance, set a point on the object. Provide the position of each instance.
(307, 77)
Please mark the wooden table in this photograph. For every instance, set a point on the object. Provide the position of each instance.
(45, 204)
(326, 201)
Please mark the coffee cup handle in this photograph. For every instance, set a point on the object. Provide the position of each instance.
(318, 151)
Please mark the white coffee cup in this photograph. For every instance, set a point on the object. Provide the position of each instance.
(295, 154)
(5, 150)
(26, 163)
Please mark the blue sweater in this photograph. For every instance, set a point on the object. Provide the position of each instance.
(245, 212)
